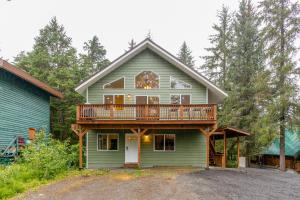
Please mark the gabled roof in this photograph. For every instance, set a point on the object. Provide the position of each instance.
(25, 76)
(292, 145)
(149, 44)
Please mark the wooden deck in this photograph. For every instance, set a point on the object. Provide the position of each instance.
(146, 114)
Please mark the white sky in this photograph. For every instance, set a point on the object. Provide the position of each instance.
(114, 22)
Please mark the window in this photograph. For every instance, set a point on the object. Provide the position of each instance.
(114, 99)
(117, 84)
(147, 80)
(179, 84)
(108, 142)
(164, 142)
(183, 99)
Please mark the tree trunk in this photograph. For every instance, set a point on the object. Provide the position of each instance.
(282, 147)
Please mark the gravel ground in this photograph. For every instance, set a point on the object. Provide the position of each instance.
(183, 184)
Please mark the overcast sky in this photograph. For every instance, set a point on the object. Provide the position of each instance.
(115, 22)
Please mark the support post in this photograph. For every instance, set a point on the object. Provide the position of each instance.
(80, 151)
(207, 151)
(238, 151)
(139, 147)
(224, 152)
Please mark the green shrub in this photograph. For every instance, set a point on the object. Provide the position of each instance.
(49, 157)
(43, 160)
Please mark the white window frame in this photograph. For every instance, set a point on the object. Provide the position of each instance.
(164, 134)
(180, 97)
(107, 141)
(179, 88)
(143, 88)
(103, 87)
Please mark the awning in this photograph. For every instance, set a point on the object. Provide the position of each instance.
(230, 132)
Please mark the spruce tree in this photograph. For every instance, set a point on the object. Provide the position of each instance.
(131, 44)
(247, 80)
(185, 55)
(281, 28)
(53, 60)
(93, 59)
(217, 62)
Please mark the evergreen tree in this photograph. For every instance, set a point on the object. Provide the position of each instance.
(247, 81)
(281, 28)
(131, 44)
(94, 58)
(217, 63)
(185, 55)
(54, 61)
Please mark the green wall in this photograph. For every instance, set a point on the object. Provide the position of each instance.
(190, 150)
(22, 106)
(147, 60)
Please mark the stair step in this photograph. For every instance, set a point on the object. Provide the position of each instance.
(131, 165)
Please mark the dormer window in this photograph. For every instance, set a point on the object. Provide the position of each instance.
(147, 80)
(179, 84)
(117, 84)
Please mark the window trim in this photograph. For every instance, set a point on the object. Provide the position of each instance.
(143, 88)
(103, 97)
(164, 134)
(107, 141)
(180, 88)
(114, 81)
(146, 95)
(180, 98)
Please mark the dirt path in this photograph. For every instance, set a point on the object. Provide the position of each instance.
(175, 184)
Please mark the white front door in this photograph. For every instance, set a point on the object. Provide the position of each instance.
(131, 148)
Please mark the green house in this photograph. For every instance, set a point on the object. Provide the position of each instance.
(148, 109)
(24, 103)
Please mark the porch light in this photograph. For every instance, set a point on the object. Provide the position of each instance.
(147, 138)
(129, 96)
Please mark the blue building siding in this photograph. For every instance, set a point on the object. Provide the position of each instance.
(22, 106)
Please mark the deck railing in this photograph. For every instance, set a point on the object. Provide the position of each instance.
(88, 112)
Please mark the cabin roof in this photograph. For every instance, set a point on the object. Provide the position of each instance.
(149, 44)
(292, 145)
(25, 76)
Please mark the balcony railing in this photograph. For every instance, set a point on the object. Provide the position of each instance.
(154, 112)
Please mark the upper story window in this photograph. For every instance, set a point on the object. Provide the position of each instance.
(117, 84)
(147, 80)
(179, 84)
(183, 99)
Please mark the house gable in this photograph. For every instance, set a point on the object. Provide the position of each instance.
(147, 60)
(217, 94)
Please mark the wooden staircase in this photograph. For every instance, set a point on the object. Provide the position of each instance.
(212, 154)
(9, 153)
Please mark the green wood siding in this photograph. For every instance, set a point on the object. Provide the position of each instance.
(22, 106)
(148, 61)
(190, 151)
(102, 159)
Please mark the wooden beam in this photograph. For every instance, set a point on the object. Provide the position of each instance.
(238, 152)
(207, 151)
(224, 152)
(144, 131)
(139, 147)
(134, 131)
(80, 152)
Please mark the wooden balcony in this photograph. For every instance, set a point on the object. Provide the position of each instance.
(146, 114)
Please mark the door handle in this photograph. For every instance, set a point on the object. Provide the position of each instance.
(126, 148)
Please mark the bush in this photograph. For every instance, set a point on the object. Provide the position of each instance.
(42, 160)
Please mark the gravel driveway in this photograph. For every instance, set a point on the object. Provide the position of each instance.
(183, 184)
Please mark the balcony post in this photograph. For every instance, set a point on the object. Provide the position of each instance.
(77, 113)
(215, 112)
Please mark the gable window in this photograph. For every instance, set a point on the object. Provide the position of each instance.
(179, 84)
(147, 80)
(183, 99)
(164, 142)
(108, 142)
(117, 84)
(114, 99)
